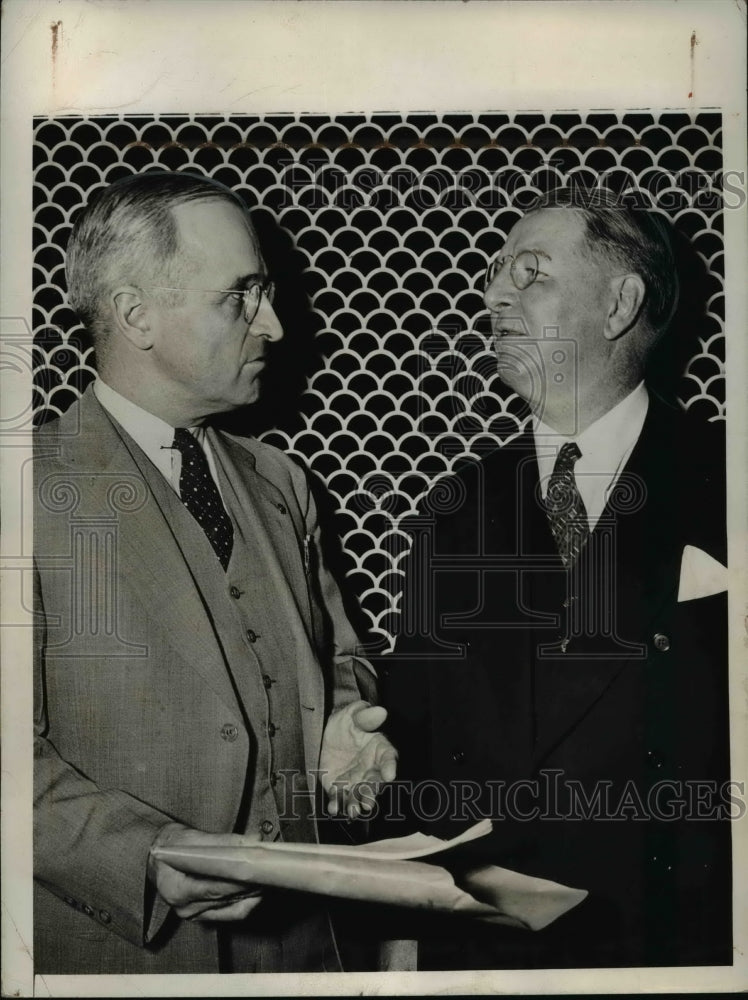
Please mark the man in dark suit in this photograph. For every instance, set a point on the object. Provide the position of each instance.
(194, 665)
(562, 658)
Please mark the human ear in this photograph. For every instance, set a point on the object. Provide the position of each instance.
(627, 300)
(131, 316)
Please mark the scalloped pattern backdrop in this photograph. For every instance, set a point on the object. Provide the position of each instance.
(388, 222)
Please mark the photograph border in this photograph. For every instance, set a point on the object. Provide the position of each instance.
(257, 57)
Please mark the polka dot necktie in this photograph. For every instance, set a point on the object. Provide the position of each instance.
(200, 495)
(567, 514)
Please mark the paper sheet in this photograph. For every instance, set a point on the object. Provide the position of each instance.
(386, 872)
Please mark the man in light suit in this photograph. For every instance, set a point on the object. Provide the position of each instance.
(194, 666)
(562, 662)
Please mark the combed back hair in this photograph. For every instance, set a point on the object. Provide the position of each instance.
(632, 237)
(128, 235)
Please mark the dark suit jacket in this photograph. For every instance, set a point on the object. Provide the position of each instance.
(482, 693)
(137, 719)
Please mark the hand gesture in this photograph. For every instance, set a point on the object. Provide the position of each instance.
(355, 759)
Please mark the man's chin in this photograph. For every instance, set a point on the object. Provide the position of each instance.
(249, 388)
(238, 401)
(523, 365)
(516, 370)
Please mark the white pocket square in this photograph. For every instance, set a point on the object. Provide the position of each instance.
(700, 575)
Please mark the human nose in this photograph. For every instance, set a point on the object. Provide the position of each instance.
(500, 290)
(266, 323)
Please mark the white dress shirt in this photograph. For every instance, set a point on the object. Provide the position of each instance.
(152, 434)
(605, 448)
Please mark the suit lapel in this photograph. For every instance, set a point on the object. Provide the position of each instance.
(642, 579)
(150, 561)
(516, 521)
(278, 546)
(525, 597)
(649, 533)
(262, 502)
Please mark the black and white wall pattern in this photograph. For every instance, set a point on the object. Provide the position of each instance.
(378, 230)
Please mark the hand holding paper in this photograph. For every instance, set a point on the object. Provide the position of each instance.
(390, 872)
(196, 896)
(355, 758)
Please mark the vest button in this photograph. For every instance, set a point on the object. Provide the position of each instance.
(266, 826)
(281, 508)
(229, 732)
(267, 681)
(458, 756)
(661, 642)
(252, 635)
(88, 910)
(235, 593)
(272, 730)
(105, 917)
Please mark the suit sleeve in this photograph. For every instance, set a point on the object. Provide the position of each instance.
(353, 676)
(91, 844)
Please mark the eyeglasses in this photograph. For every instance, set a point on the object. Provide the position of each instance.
(251, 296)
(523, 270)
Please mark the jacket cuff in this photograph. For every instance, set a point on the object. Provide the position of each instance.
(106, 878)
(355, 680)
(159, 911)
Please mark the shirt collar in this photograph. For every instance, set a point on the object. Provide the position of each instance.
(152, 434)
(611, 436)
(605, 448)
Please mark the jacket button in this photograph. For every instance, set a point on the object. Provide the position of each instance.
(267, 681)
(266, 826)
(661, 642)
(272, 729)
(252, 635)
(458, 756)
(235, 592)
(229, 732)
(105, 917)
(281, 508)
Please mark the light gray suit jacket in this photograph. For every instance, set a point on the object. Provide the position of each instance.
(136, 720)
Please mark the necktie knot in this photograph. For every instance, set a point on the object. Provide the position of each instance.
(183, 440)
(568, 456)
(200, 495)
(567, 515)
(563, 493)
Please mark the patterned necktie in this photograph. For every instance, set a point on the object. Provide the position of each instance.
(567, 514)
(200, 495)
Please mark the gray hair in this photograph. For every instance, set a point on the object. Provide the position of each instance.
(127, 234)
(632, 237)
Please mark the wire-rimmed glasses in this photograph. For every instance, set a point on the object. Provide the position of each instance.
(523, 270)
(251, 295)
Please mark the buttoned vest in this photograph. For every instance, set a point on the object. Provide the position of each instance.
(246, 606)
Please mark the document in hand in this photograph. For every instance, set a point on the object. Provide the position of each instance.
(387, 872)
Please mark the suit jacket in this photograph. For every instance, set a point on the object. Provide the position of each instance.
(137, 721)
(577, 709)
